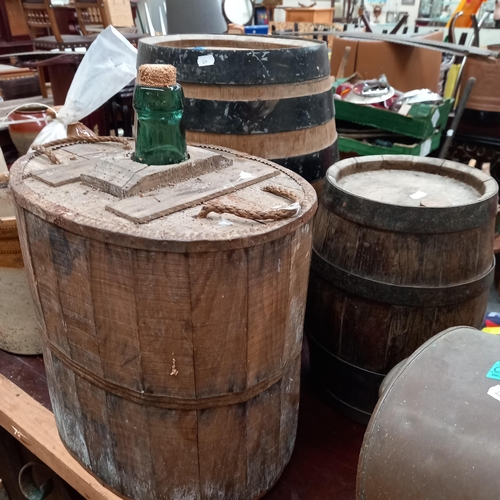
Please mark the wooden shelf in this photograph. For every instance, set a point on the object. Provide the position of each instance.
(35, 427)
(323, 464)
(302, 15)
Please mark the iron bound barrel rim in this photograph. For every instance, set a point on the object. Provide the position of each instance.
(273, 60)
(410, 219)
(398, 294)
(276, 115)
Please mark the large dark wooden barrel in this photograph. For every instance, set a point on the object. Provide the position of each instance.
(172, 337)
(435, 433)
(402, 249)
(267, 96)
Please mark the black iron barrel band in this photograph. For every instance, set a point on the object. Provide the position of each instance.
(170, 402)
(241, 67)
(312, 167)
(259, 116)
(411, 296)
(374, 376)
(404, 219)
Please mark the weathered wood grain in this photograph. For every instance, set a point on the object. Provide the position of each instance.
(290, 395)
(268, 307)
(61, 175)
(34, 426)
(187, 194)
(131, 446)
(71, 268)
(44, 275)
(263, 438)
(219, 298)
(278, 145)
(174, 453)
(95, 420)
(223, 475)
(115, 313)
(164, 323)
(300, 260)
(255, 93)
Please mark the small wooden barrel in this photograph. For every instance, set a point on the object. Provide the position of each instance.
(172, 341)
(402, 249)
(435, 432)
(18, 325)
(267, 96)
(485, 95)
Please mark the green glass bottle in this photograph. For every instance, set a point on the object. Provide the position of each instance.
(159, 108)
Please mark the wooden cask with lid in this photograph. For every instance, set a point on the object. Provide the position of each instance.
(172, 341)
(267, 96)
(402, 249)
(18, 324)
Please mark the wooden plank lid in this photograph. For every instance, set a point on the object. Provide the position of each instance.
(219, 199)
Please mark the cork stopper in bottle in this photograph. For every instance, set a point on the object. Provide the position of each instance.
(157, 75)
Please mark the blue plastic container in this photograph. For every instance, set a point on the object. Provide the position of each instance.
(261, 29)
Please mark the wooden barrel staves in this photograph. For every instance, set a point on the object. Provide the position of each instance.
(172, 300)
(267, 96)
(402, 249)
(18, 324)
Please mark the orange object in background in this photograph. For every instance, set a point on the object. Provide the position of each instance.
(468, 7)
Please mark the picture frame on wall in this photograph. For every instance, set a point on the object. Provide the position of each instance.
(407, 2)
(391, 17)
(261, 16)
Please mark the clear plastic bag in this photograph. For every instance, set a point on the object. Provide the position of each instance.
(108, 66)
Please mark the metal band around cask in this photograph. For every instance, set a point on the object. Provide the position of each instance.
(402, 249)
(267, 96)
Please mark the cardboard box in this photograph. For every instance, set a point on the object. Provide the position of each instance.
(406, 68)
(119, 13)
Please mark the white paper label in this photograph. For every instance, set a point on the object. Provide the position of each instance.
(245, 175)
(425, 149)
(494, 392)
(418, 195)
(404, 109)
(207, 60)
(435, 117)
(450, 132)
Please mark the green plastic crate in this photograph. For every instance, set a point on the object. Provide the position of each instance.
(420, 122)
(362, 148)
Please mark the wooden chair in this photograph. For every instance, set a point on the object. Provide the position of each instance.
(91, 14)
(39, 15)
(93, 18)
